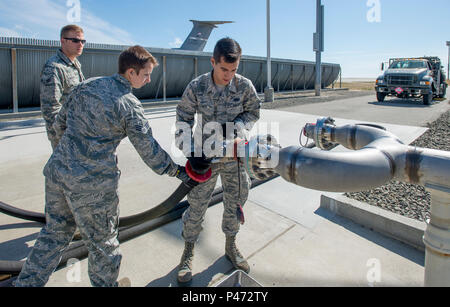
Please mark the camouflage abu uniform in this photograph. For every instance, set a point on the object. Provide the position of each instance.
(82, 178)
(237, 103)
(58, 78)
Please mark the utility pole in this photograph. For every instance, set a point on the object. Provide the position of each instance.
(448, 61)
(319, 44)
(268, 91)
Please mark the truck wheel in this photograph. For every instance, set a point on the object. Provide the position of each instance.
(442, 95)
(427, 99)
(380, 97)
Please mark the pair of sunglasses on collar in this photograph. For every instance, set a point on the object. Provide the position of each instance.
(76, 40)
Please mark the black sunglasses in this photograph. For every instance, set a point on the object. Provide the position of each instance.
(76, 40)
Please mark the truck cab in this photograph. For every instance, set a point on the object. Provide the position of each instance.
(412, 78)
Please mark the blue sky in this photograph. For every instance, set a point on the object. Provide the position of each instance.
(402, 27)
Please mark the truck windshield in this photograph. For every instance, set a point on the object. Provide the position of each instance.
(408, 64)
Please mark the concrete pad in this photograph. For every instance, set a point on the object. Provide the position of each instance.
(337, 253)
(274, 210)
(390, 224)
(152, 259)
(24, 152)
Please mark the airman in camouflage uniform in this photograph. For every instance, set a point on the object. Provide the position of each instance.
(220, 96)
(59, 76)
(82, 174)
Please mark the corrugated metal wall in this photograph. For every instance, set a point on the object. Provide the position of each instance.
(181, 67)
(6, 97)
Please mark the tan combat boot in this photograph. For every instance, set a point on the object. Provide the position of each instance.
(185, 267)
(124, 282)
(233, 254)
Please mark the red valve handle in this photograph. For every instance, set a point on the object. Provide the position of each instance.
(197, 177)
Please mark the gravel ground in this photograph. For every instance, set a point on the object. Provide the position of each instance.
(406, 199)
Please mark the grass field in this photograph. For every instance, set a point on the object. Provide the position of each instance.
(356, 86)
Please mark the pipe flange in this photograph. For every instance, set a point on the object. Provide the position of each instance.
(262, 156)
(322, 133)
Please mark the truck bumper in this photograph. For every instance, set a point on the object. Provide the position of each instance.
(391, 90)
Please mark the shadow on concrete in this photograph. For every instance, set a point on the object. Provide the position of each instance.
(390, 244)
(169, 280)
(17, 249)
(408, 103)
(16, 135)
(23, 124)
(202, 279)
(318, 281)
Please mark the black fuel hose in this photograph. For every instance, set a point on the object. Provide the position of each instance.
(168, 211)
(127, 221)
(79, 251)
(22, 214)
(163, 208)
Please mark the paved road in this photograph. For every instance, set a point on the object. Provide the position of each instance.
(394, 111)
